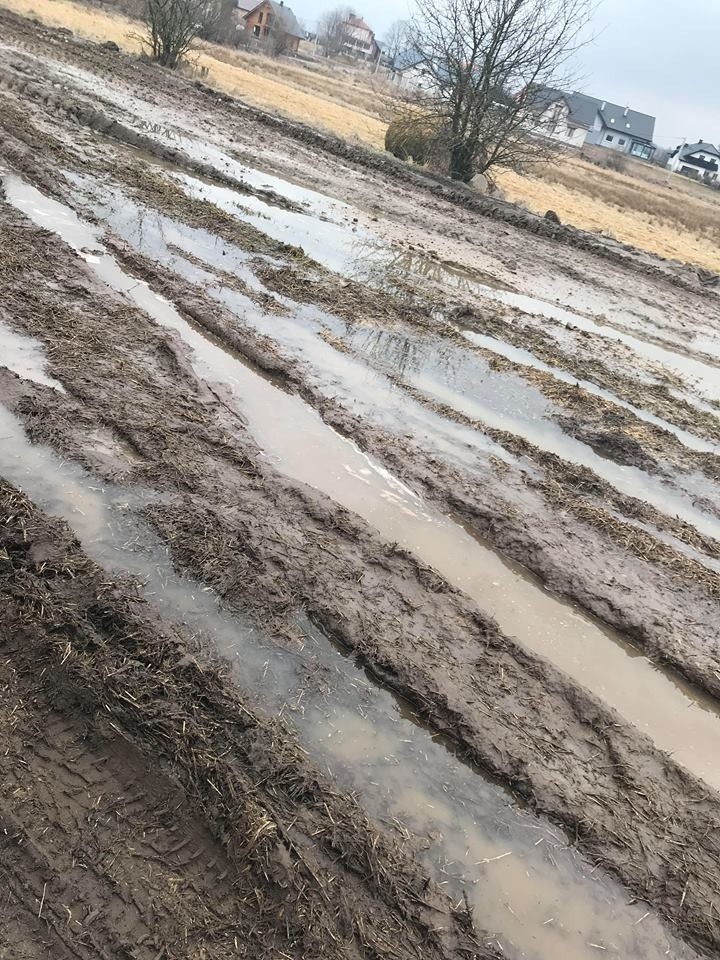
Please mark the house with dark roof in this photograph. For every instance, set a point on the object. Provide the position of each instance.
(577, 119)
(408, 69)
(700, 160)
(273, 25)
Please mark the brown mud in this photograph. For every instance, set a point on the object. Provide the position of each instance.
(271, 546)
(301, 868)
(147, 811)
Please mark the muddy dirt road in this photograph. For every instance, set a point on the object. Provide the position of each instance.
(360, 548)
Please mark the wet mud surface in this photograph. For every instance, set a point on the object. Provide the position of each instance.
(444, 500)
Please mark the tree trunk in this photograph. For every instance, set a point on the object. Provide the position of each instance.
(461, 161)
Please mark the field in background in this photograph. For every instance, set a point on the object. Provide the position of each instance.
(680, 221)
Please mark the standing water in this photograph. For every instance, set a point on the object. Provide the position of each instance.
(529, 889)
(301, 445)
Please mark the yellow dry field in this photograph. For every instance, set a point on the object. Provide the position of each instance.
(227, 70)
(681, 221)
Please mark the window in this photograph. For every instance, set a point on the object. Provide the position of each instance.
(622, 141)
(260, 17)
(609, 138)
(256, 31)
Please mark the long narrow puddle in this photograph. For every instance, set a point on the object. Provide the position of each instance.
(530, 890)
(526, 358)
(524, 412)
(467, 384)
(301, 445)
(694, 372)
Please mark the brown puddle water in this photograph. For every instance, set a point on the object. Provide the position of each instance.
(300, 444)
(530, 890)
(440, 370)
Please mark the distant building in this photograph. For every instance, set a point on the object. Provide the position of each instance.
(359, 39)
(271, 22)
(576, 119)
(409, 70)
(700, 160)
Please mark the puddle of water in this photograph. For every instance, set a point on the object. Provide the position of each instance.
(24, 356)
(707, 343)
(336, 245)
(339, 376)
(357, 253)
(694, 372)
(525, 358)
(529, 888)
(503, 402)
(467, 384)
(302, 446)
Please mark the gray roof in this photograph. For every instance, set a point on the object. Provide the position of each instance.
(641, 126)
(290, 25)
(407, 59)
(700, 147)
(584, 110)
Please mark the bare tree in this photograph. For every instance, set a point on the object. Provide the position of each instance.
(173, 25)
(484, 64)
(333, 30)
(220, 26)
(396, 39)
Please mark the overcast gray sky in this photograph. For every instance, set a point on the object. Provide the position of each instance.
(657, 56)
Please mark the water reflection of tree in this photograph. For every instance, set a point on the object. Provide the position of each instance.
(386, 267)
(407, 353)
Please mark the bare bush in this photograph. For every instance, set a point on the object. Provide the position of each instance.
(221, 25)
(483, 63)
(173, 25)
(616, 162)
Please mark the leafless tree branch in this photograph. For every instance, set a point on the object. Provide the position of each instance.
(332, 30)
(484, 62)
(173, 25)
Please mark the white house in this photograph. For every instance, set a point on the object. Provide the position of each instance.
(576, 119)
(700, 160)
(408, 70)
